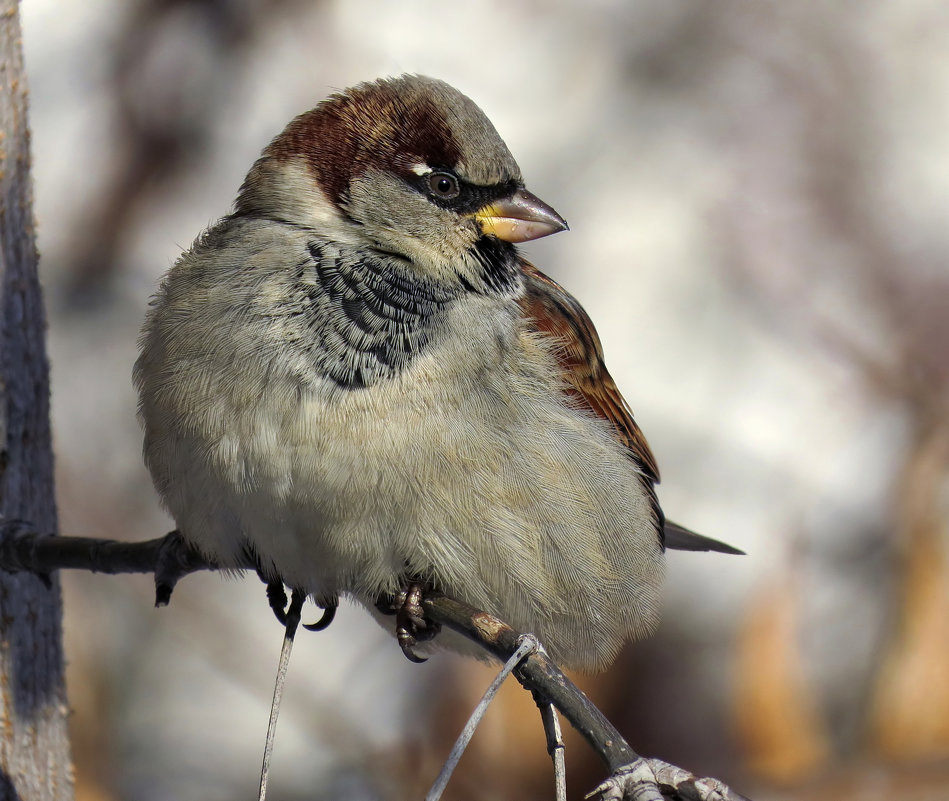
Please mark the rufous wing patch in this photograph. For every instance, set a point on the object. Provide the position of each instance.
(554, 311)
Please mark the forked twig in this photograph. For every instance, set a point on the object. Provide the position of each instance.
(170, 558)
(528, 644)
(555, 745)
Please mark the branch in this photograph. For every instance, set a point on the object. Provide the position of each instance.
(537, 673)
(170, 558)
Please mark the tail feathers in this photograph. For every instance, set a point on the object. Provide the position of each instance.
(681, 539)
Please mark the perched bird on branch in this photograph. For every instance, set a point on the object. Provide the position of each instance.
(357, 378)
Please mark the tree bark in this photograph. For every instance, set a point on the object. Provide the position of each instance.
(34, 749)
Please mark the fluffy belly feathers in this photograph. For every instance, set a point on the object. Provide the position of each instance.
(493, 489)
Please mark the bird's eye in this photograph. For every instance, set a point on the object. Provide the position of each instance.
(443, 185)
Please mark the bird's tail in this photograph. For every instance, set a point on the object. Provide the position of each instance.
(681, 539)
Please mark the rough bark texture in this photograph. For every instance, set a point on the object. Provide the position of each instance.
(34, 749)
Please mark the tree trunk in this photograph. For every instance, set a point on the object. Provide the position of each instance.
(34, 749)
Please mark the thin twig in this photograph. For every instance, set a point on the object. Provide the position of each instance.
(537, 673)
(555, 745)
(170, 558)
(528, 645)
(293, 620)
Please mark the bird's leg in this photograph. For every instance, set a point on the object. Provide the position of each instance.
(411, 625)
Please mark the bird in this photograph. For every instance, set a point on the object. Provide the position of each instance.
(355, 377)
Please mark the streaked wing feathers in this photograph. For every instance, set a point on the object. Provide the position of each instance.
(556, 312)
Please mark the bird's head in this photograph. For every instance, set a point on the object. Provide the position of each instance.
(406, 166)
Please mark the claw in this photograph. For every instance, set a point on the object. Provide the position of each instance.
(411, 626)
(407, 643)
(329, 612)
(277, 598)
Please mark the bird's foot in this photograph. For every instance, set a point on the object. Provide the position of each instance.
(277, 598)
(411, 625)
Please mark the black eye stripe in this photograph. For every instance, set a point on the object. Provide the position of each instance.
(470, 198)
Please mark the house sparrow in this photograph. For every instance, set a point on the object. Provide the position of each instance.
(357, 378)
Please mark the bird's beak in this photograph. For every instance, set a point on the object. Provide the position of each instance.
(520, 218)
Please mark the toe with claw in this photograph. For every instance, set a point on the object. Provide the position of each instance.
(277, 598)
(411, 625)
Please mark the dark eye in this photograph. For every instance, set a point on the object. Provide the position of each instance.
(443, 185)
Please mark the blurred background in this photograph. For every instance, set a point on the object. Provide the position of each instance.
(758, 196)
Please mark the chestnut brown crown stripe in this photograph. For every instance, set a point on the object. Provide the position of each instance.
(351, 133)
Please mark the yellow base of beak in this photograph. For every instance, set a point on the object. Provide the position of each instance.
(520, 218)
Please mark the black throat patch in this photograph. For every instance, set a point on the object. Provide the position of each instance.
(498, 262)
(368, 315)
